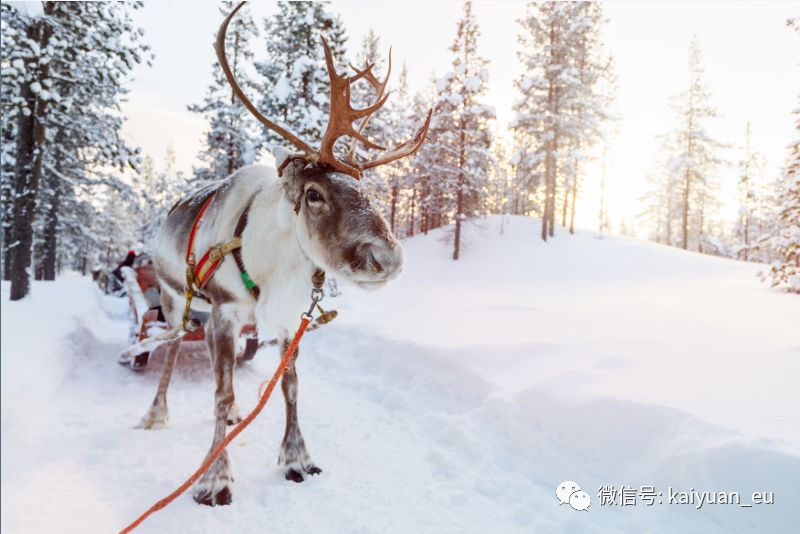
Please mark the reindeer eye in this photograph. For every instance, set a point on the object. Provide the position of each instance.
(312, 195)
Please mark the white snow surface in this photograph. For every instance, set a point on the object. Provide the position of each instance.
(454, 400)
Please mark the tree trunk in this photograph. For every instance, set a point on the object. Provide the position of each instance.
(685, 218)
(460, 193)
(572, 207)
(551, 218)
(8, 243)
(28, 170)
(687, 184)
(50, 245)
(5, 202)
(702, 223)
(602, 218)
(412, 209)
(669, 217)
(393, 210)
(459, 209)
(746, 224)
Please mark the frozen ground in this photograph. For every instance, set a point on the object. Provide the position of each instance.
(453, 401)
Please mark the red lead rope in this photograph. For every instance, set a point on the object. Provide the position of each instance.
(212, 457)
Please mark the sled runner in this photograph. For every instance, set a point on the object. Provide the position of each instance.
(149, 329)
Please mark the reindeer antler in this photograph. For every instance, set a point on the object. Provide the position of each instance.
(219, 46)
(340, 119)
(380, 88)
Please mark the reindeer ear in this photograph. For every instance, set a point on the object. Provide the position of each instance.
(289, 172)
(280, 153)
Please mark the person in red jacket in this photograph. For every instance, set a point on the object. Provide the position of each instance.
(118, 282)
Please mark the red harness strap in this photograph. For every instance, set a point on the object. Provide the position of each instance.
(212, 259)
(190, 248)
(198, 275)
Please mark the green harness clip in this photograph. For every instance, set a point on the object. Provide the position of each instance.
(248, 282)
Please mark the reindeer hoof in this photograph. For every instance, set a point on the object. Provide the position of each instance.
(155, 418)
(312, 469)
(295, 475)
(222, 498)
(234, 417)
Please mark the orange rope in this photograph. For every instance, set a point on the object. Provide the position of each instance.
(262, 401)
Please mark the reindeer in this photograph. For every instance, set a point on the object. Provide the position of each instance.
(291, 224)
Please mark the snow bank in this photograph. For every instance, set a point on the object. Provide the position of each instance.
(37, 347)
(453, 401)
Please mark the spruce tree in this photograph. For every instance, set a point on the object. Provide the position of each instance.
(425, 214)
(376, 181)
(785, 239)
(695, 156)
(594, 70)
(749, 221)
(463, 125)
(294, 80)
(233, 135)
(549, 89)
(69, 68)
(564, 94)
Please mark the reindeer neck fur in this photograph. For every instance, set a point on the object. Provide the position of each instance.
(270, 249)
(274, 257)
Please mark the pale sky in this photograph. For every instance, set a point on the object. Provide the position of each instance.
(750, 58)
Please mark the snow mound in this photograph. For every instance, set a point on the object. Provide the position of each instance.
(454, 400)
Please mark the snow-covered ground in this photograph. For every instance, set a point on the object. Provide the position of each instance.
(454, 400)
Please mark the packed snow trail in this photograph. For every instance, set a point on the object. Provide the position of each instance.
(454, 400)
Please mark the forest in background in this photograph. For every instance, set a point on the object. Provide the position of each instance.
(75, 195)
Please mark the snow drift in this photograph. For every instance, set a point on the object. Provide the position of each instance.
(455, 400)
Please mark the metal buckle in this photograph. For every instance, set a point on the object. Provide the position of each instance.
(316, 296)
(215, 254)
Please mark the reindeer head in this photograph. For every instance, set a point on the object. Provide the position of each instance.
(336, 226)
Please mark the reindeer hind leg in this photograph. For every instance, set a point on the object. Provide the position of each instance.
(158, 414)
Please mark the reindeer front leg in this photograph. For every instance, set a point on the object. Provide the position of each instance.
(215, 486)
(294, 456)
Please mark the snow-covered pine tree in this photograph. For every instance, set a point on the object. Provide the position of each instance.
(435, 158)
(233, 135)
(294, 81)
(85, 124)
(376, 181)
(563, 100)
(500, 188)
(695, 157)
(749, 224)
(785, 268)
(421, 169)
(398, 124)
(603, 223)
(69, 69)
(29, 72)
(12, 30)
(785, 240)
(467, 119)
(157, 191)
(549, 89)
(362, 92)
(594, 69)
(660, 213)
